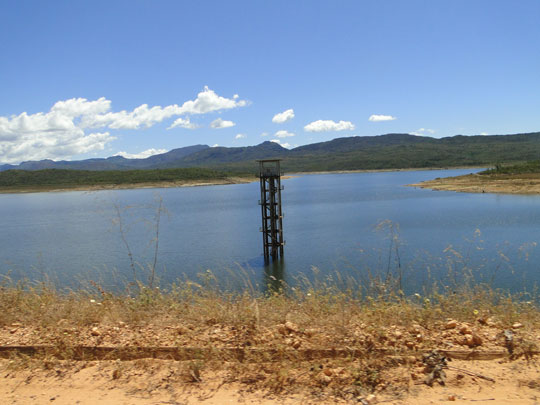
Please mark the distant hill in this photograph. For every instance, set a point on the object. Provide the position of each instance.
(390, 151)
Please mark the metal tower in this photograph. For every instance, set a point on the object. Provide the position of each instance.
(272, 217)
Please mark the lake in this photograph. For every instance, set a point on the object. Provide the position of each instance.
(354, 225)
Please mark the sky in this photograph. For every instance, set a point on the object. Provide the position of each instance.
(85, 79)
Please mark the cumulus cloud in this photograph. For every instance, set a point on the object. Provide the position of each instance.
(208, 101)
(278, 141)
(219, 123)
(56, 134)
(183, 123)
(142, 155)
(378, 118)
(240, 136)
(283, 134)
(284, 116)
(484, 133)
(423, 131)
(264, 134)
(329, 125)
(72, 127)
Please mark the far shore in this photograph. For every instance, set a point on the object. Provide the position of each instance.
(128, 186)
(198, 183)
(525, 184)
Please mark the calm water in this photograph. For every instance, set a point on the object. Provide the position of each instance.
(330, 224)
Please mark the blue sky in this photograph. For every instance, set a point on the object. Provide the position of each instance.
(74, 74)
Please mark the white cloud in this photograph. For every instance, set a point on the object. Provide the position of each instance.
(329, 125)
(484, 133)
(215, 145)
(141, 155)
(265, 134)
(284, 116)
(283, 134)
(378, 118)
(219, 123)
(240, 136)
(278, 141)
(52, 135)
(66, 129)
(208, 101)
(183, 123)
(423, 131)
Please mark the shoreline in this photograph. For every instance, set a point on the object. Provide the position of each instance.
(129, 186)
(200, 183)
(408, 169)
(524, 184)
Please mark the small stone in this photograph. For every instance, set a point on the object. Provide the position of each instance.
(326, 379)
(477, 340)
(328, 372)
(310, 332)
(296, 344)
(468, 340)
(409, 344)
(451, 397)
(95, 331)
(398, 334)
(465, 330)
(182, 330)
(517, 325)
(282, 329)
(291, 326)
(451, 324)
(371, 398)
(12, 331)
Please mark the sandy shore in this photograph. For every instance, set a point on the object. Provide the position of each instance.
(475, 183)
(164, 184)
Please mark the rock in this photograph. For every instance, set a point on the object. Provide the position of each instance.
(328, 372)
(477, 340)
(398, 334)
(95, 331)
(517, 325)
(470, 340)
(182, 330)
(465, 330)
(296, 344)
(325, 379)
(310, 332)
(282, 329)
(451, 324)
(371, 398)
(291, 326)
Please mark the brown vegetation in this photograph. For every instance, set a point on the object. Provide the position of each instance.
(318, 344)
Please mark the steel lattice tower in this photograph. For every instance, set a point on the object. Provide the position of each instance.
(272, 216)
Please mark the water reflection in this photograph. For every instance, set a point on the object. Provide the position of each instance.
(274, 276)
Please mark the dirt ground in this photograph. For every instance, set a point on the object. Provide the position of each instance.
(475, 183)
(165, 382)
(459, 362)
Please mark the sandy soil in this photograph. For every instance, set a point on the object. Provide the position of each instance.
(167, 382)
(219, 364)
(475, 183)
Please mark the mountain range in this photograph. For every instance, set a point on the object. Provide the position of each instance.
(390, 151)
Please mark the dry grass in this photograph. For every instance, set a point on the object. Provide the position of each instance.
(288, 329)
